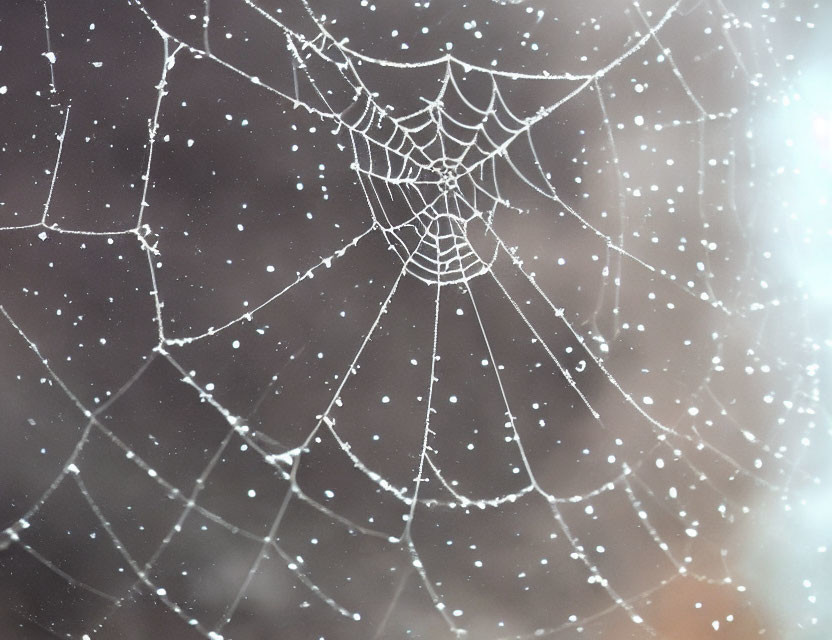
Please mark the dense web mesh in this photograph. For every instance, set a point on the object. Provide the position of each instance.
(342, 320)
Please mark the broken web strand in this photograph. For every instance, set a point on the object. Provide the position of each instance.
(61, 138)
(169, 60)
(622, 220)
(49, 54)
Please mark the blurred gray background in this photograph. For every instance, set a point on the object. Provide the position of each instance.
(247, 192)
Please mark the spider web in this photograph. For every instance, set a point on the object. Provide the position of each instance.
(497, 326)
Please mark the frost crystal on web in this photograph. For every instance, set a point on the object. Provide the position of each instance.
(343, 320)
